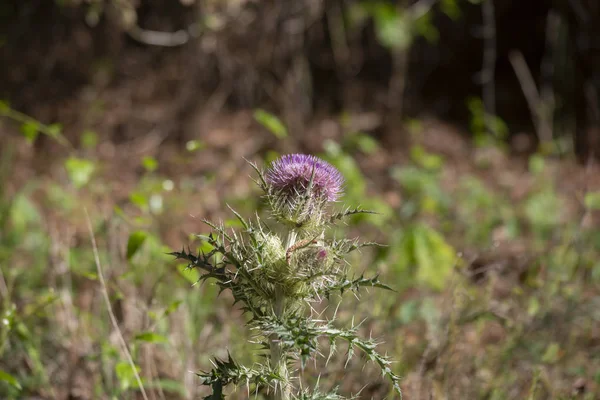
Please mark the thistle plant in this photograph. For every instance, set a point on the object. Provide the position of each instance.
(275, 277)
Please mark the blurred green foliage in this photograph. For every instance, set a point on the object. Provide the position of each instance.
(42, 277)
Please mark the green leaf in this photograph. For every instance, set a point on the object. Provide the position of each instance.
(426, 160)
(533, 306)
(592, 200)
(194, 145)
(425, 27)
(172, 307)
(30, 130)
(434, 257)
(11, 380)
(543, 211)
(271, 122)
(140, 200)
(150, 164)
(151, 337)
(552, 353)
(190, 274)
(451, 9)
(80, 171)
(136, 239)
(126, 374)
(392, 28)
(54, 131)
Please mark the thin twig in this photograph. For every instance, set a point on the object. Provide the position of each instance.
(489, 64)
(3, 287)
(528, 86)
(542, 118)
(547, 69)
(164, 39)
(49, 130)
(111, 314)
(420, 8)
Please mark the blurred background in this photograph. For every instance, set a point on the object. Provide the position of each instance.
(471, 126)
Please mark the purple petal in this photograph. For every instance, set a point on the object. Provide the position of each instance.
(292, 173)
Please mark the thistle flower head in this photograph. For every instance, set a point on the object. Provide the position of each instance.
(299, 186)
(292, 174)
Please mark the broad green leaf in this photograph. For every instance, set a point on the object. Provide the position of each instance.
(11, 380)
(136, 239)
(151, 337)
(190, 274)
(271, 122)
(80, 171)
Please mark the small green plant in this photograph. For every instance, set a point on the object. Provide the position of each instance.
(482, 123)
(418, 248)
(276, 276)
(31, 128)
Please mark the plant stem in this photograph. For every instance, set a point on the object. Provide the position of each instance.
(277, 355)
(278, 359)
(52, 131)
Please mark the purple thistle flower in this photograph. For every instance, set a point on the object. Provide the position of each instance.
(291, 174)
